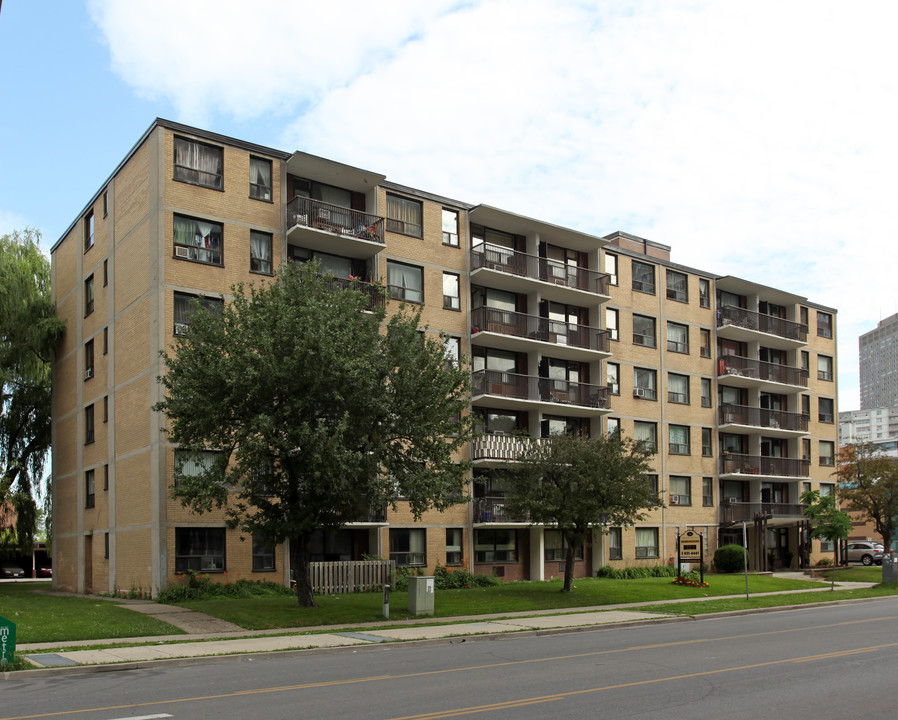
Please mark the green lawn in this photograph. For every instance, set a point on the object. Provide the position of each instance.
(41, 616)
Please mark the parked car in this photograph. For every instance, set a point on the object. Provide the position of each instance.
(867, 553)
(44, 571)
(8, 570)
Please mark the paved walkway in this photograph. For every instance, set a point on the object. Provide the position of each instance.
(208, 636)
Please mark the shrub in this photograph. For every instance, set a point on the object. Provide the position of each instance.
(636, 572)
(200, 587)
(825, 562)
(729, 559)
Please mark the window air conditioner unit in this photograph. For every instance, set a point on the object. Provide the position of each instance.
(89, 373)
(732, 500)
(674, 499)
(729, 418)
(182, 252)
(639, 392)
(181, 328)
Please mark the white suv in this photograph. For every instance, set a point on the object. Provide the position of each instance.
(864, 552)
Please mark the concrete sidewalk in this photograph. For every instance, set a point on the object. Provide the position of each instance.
(209, 636)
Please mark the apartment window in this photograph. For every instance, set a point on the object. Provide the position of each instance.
(89, 230)
(646, 434)
(260, 252)
(678, 388)
(198, 240)
(806, 450)
(706, 392)
(705, 340)
(644, 384)
(105, 408)
(198, 163)
(646, 542)
(106, 476)
(404, 216)
(644, 331)
(89, 497)
(615, 546)
(452, 350)
(451, 299)
(680, 490)
(643, 277)
(495, 546)
(827, 489)
(803, 316)
(453, 546)
(405, 282)
(677, 286)
(611, 268)
(612, 377)
(105, 203)
(106, 546)
(612, 425)
(704, 292)
(200, 549)
(824, 325)
(195, 463)
(707, 442)
(263, 554)
(105, 340)
(88, 359)
(827, 453)
(450, 227)
(805, 360)
(105, 272)
(652, 479)
(259, 178)
(824, 367)
(88, 424)
(408, 546)
(825, 410)
(184, 308)
(707, 492)
(677, 338)
(611, 323)
(678, 439)
(806, 405)
(88, 296)
(556, 547)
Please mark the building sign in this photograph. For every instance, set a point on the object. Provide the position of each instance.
(7, 643)
(690, 546)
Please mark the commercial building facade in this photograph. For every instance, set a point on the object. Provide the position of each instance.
(565, 332)
(878, 358)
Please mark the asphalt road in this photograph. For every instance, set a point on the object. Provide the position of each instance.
(824, 662)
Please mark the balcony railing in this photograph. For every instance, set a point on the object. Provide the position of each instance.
(762, 417)
(503, 259)
(755, 369)
(375, 295)
(731, 315)
(504, 322)
(733, 512)
(736, 464)
(539, 389)
(335, 219)
(495, 510)
(499, 447)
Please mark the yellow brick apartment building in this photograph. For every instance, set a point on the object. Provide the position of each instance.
(732, 382)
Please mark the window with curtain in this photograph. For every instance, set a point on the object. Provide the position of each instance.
(707, 492)
(643, 277)
(199, 549)
(707, 442)
(555, 547)
(611, 268)
(198, 163)
(644, 383)
(678, 437)
(183, 309)
(195, 463)
(677, 286)
(825, 410)
(611, 323)
(259, 178)
(646, 542)
(408, 546)
(677, 337)
(704, 292)
(260, 252)
(680, 490)
(198, 240)
(678, 388)
(827, 453)
(644, 330)
(824, 324)
(615, 547)
(454, 546)
(88, 296)
(497, 546)
(646, 434)
(452, 348)
(451, 299)
(405, 282)
(824, 367)
(450, 227)
(404, 215)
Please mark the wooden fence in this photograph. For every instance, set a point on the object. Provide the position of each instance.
(350, 576)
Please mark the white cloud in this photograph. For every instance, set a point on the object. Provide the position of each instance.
(755, 139)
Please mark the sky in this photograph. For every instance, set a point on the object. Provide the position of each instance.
(755, 139)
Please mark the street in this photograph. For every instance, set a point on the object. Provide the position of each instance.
(830, 661)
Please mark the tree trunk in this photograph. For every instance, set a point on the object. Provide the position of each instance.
(299, 559)
(569, 566)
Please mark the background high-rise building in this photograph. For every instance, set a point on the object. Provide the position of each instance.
(878, 350)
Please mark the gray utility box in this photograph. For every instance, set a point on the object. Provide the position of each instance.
(420, 594)
(890, 568)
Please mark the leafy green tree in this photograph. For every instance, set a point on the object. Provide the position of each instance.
(29, 334)
(574, 484)
(320, 410)
(868, 484)
(826, 519)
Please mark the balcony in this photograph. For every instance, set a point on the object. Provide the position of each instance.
(736, 466)
(495, 510)
(376, 516)
(774, 423)
(510, 330)
(498, 450)
(333, 229)
(375, 295)
(511, 390)
(735, 323)
(734, 512)
(739, 371)
(504, 267)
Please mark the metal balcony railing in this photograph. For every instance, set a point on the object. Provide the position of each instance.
(503, 259)
(731, 315)
(737, 464)
(376, 295)
(516, 324)
(539, 389)
(495, 510)
(733, 512)
(335, 219)
(762, 417)
(747, 367)
(499, 447)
